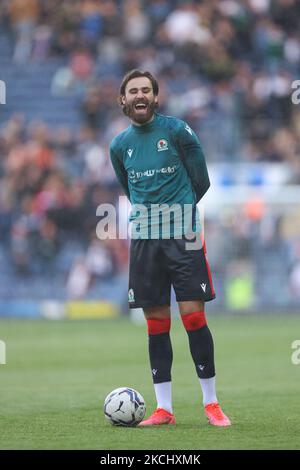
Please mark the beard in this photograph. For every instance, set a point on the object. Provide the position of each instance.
(140, 116)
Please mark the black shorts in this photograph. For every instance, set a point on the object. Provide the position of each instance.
(155, 265)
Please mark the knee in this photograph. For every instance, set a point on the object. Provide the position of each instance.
(159, 313)
(191, 306)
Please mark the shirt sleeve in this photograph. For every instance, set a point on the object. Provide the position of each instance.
(193, 159)
(120, 171)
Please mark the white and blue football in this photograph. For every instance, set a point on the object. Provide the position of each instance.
(124, 406)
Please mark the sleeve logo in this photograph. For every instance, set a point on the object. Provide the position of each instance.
(188, 129)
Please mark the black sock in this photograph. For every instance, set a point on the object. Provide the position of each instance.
(202, 350)
(161, 357)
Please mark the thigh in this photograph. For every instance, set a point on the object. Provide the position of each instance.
(149, 283)
(189, 271)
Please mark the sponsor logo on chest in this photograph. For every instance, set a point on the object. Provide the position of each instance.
(133, 175)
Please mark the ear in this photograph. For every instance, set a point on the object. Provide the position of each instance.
(122, 99)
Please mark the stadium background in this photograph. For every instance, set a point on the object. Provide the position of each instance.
(226, 67)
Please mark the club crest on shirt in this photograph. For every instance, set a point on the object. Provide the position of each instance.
(161, 145)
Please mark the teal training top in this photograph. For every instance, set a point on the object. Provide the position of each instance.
(162, 170)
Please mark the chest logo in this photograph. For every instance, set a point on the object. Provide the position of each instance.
(161, 145)
(129, 151)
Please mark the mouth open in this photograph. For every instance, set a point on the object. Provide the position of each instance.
(140, 107)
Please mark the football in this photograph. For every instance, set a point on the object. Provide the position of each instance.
(124, 406)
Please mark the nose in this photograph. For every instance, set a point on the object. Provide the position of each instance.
(140, 94)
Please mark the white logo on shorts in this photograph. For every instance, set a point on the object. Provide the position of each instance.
(203, 287)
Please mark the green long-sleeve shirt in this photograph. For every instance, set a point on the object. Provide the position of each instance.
(161, 163)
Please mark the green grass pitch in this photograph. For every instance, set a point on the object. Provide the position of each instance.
(58, 374)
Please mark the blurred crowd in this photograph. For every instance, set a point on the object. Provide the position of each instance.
(51, 186)
(225, 66)
(222, 64)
